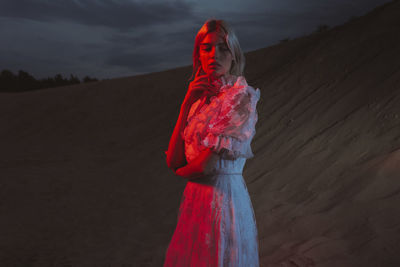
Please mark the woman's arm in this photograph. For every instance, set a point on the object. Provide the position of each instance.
(176, 148)
(199, 165)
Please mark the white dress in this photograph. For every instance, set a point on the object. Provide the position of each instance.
(216, 223)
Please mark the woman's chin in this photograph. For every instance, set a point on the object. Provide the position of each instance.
(215, 75)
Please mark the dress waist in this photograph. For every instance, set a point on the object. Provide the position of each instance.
(227, 167)
(227, 173)
(213, 177)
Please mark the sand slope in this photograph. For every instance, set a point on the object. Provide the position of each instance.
(84, 180)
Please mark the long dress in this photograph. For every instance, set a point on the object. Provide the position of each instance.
(216, 222)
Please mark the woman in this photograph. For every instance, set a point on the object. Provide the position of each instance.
(209, 147)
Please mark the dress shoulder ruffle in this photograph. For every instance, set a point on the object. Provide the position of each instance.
(226, 124)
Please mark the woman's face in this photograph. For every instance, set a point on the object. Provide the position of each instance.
(215, 57)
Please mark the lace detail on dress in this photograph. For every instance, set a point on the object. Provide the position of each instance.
(226, 124)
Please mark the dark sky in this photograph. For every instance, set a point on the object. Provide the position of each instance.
(115, 38)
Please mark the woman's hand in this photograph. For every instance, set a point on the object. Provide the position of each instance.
(189, 171)
(198, 87)
(201, 165)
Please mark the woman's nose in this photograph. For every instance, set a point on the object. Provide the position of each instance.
(214, 52)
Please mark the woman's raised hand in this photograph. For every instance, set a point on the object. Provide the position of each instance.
(198, 86)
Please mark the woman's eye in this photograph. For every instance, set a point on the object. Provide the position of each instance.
(222, 48)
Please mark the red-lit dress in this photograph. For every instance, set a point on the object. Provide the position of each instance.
(216, 223)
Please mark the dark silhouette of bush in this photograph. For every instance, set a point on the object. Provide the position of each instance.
(7, 80)
(87, 79)
(23, 81)
(73, 79)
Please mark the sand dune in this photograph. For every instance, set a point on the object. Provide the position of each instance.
(84, 180)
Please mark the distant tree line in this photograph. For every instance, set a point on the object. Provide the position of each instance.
(23, 81)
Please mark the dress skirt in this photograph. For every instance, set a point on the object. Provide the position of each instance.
(216, 224)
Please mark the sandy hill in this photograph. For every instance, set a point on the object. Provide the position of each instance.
(84, 180)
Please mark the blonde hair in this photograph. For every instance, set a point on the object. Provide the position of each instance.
(212, 25)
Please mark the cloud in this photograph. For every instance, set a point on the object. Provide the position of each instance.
(153, 49)
(122, 15)
(150, 58)
(111, 38)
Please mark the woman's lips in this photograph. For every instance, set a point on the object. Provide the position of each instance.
(214, 64)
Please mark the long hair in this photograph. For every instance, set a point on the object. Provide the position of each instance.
(212, 25)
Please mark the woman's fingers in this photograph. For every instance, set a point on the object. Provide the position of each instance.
(201, 77)
(201, 82)
(198, 73)
(201, 86)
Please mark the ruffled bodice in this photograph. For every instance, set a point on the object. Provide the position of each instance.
(226, 124)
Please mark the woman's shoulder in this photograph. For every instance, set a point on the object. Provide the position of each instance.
(238, 84)
(230, 79)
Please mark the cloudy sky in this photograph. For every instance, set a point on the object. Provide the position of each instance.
(116, 38)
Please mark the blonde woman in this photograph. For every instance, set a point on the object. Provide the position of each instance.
(209, 147)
